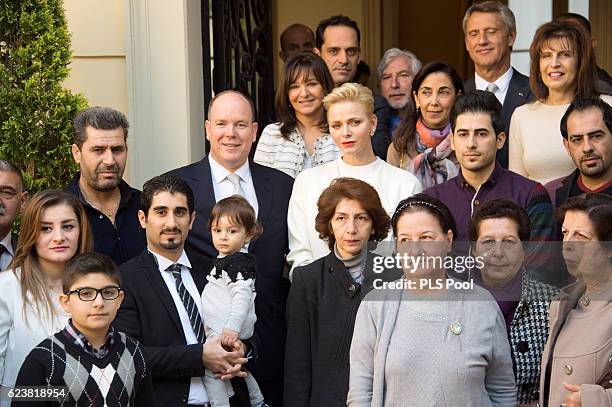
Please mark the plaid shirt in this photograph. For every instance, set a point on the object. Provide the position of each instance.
(77, 337)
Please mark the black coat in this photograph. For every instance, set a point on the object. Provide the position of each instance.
(273, 190)
(517, 95)
(321, 312)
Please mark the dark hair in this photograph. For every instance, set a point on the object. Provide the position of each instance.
(7, 166)
(425, 203)
(582, 104)
(577, 38)
(299, 65)
(100, 118)
(239, 212)
(353, 189)
(501, 209)
(404, 138)
(584, 22)
(335, 21)
(597, 207)
(89, 263)
(479, 101)
(239, 92)
(165, 183)
(293, 26)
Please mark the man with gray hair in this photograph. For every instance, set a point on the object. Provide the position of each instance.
(395, 72)
(100, 149)
(490, 31)
(12, 201)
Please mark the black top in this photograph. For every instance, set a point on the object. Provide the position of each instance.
(124, 240)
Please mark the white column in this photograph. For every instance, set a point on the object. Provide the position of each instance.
(165, 88)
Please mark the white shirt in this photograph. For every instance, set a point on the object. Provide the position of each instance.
(223, 188)
(7, 256)
(197, 392)
(503, 82)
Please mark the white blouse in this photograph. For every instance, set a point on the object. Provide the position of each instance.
(289, 156)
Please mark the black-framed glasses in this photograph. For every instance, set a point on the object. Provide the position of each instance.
(90, 294)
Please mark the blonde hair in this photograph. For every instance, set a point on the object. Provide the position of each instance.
(32, 279)
(351, 92)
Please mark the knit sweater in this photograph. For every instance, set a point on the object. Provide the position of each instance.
(536, 145)
(287, 155)
(391, 183)
(121, 378)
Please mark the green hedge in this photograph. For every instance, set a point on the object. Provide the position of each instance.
(35, 111)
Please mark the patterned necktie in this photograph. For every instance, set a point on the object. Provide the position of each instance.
(492, 88)
(235, 180)
(188, 302)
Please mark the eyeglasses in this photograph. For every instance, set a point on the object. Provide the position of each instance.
(90, 294)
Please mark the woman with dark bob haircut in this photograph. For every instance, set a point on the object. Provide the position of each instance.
(421, 142)
(300, 138)
(499, 231)
(563, 68)
(326, 293)
(576, 368)
(423, 341)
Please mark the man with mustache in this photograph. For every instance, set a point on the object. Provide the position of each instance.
(100, 149)
(337, 42)
(586, 128)
(162, 307)
(490, 31)
(476, 120)
(12, 202)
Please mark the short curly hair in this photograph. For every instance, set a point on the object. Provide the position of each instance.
(353, 189)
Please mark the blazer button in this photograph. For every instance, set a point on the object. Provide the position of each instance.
(476, 202)
(522, 346)
(352, 288)
(568, 369)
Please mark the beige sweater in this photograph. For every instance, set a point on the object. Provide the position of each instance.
(536, 146)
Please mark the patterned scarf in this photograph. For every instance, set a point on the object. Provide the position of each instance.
(433, 164)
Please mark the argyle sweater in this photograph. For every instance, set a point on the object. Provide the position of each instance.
(121, 378)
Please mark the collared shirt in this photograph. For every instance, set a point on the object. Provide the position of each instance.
(197, 392)
(224, 188)
(7, 255)
(126, 238)
(463, 200)
(80, 340)
(503, 82)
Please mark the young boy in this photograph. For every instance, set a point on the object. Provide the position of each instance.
(96, 364)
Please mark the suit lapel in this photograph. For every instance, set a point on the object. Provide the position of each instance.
(264, 196)
(151, 271)
(202, 185)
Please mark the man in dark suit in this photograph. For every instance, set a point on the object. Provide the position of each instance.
(226, 171)
(162, 307)
(490, 31)
(12, 202)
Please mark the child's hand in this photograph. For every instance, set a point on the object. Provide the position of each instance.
(228, 337)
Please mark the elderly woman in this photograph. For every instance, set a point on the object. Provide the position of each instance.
(299, 140)
(421, 143)
(429, 343)
(576, 360)
(351, 125)
(54, 229)
(325, 295)
(563, 67)
(499, 230)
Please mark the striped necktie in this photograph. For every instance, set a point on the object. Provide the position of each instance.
(189, 303)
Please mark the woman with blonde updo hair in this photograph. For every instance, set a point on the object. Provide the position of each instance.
(352, 122)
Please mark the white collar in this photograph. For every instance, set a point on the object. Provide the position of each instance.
(219, 172)
(502, 82)
(8, 243)
(163, 262)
